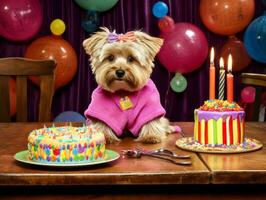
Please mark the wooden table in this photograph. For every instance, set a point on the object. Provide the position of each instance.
(146, 172)
(123, 171)
(240, 168)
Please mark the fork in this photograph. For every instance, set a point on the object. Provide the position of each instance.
(137, 154)
(166, 152)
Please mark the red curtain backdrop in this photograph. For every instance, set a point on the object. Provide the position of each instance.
(126, 15)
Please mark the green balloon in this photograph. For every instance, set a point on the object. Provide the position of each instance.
(96, 5)
(178, 83)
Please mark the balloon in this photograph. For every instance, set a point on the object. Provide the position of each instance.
(239, 54)
(159, 9)
(69, 116)
(57, 27)
(166, 24)
(248, 94)
(20, 20)
(54, 47)
(255, 39)
(12, 97)
(91, 21)
(178, 83)
(97, 5)
(226, 17)
(184, 49)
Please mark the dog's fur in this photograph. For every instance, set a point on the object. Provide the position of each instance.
(136, 59)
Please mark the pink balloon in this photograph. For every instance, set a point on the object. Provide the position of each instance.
(248, 94)
(20, 19)
(184, 49)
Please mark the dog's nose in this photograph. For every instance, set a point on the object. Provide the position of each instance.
(120, 73)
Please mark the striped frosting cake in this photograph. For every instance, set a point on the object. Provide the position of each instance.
(219, 122)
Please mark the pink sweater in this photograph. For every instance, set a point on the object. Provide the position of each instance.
(105, 107)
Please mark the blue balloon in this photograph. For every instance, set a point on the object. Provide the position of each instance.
(255, 39)
(70, 116)
(91, 21)
(160, 9)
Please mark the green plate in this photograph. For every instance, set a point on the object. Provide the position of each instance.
(110, 156)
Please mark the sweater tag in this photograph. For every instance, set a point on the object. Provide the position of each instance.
(125, 103)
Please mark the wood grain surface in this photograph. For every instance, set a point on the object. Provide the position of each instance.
(124, 171)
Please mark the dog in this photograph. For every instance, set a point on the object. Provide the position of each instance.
(126, 97)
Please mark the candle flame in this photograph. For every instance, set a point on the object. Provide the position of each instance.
(212, 55)
(221, 63)
(229, 63)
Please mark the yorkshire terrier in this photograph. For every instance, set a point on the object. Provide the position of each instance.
(126, 98)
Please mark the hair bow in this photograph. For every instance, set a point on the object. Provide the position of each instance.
(114, 37)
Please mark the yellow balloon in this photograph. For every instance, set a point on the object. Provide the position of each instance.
(57, 27)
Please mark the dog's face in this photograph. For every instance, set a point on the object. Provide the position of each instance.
(122, 62)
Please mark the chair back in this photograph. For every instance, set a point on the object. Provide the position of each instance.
(255, 111)
(21, 68)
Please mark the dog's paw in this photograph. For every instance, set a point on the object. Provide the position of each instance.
(149, 138)
(154, 131)
(110, 136)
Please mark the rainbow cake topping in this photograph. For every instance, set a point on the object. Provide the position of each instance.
(220, 106)
(66, 144)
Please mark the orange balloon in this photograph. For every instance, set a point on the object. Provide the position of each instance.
(54, 47)
(239, 54)
(12, 97)
(226, 17)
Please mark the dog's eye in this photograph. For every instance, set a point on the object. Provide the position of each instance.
(130, 59)
(110, 58)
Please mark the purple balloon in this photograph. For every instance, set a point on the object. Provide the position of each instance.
(184, 49)
(20, 19)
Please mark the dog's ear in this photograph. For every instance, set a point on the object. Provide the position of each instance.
(152, 44)
(94, 43)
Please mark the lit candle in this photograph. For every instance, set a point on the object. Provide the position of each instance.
(230, 80)
(221, 79)
(212, 76)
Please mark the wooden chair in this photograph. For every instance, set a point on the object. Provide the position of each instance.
(21, 68)
(254, 79)
(259, 82)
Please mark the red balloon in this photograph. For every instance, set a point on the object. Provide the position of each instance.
(12, 97)
(20, 19)
(184, 49)
(54, 47)
(239, 54)
(248, 94)
(166, 24)
(226, 17)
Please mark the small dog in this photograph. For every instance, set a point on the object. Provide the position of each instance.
(126, 97)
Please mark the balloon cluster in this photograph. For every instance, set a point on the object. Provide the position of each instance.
(226, 17)
(91, 20)
(185, 46)
(20, 20)
(55, 47)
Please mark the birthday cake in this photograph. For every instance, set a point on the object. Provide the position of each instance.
(219, 122)
(66, 144)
